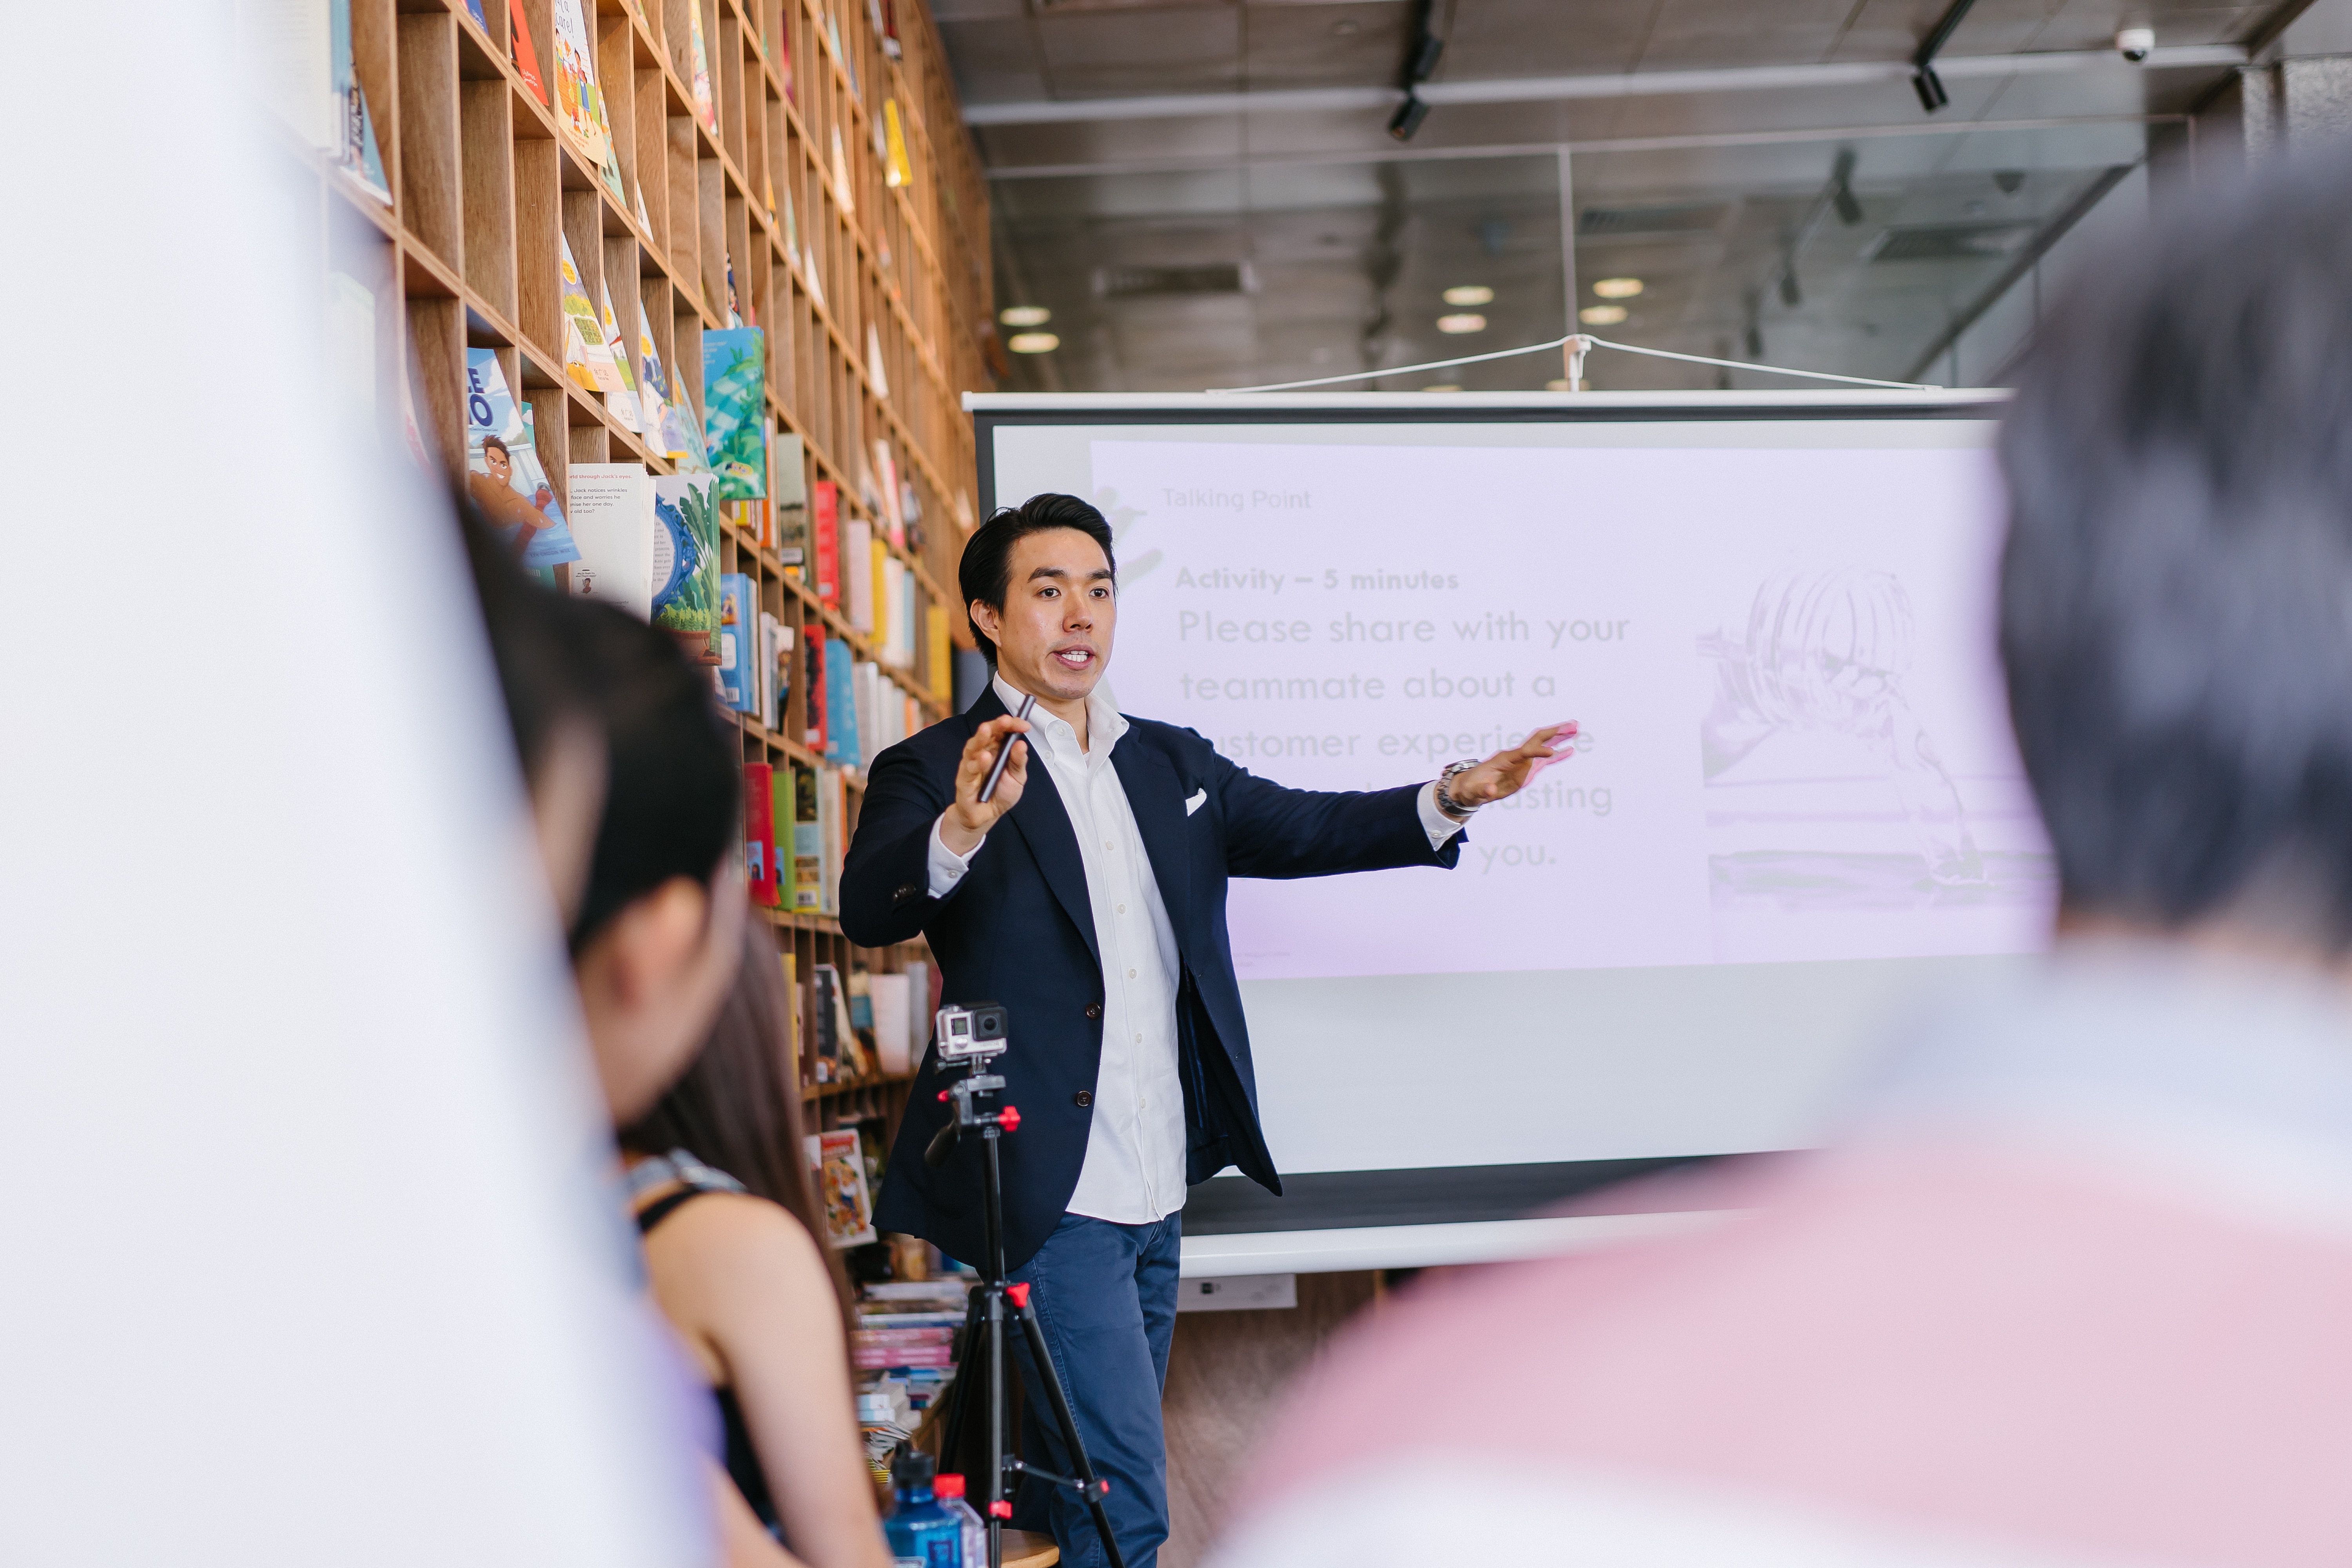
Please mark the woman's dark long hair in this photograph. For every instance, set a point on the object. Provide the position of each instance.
(738, 1106)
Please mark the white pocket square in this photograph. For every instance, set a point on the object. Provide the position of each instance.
(1193, 805)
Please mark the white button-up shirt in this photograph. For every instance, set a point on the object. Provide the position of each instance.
(1134, 1169)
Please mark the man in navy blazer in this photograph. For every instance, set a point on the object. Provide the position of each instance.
(1088, 897)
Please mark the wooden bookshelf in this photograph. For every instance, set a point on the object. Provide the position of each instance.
(486, 184)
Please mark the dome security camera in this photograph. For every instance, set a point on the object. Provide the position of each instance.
(2136, 44)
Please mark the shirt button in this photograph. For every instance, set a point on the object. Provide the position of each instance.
(1122, 909)
(1095, 1011)
(1083, 1098)
(1139, 1039)
(1130, 975)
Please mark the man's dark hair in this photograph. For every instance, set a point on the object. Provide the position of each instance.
(490, 441)
(674, 769)
(985, 574)
(2175, 593)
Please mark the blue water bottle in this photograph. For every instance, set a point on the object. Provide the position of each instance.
(922, 1533)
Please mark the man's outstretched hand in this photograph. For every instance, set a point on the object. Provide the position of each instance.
(1507, 773)
(967, 822)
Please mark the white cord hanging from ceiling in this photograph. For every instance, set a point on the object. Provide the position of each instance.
(1577, 345)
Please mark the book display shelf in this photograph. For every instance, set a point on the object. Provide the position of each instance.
(795, 165)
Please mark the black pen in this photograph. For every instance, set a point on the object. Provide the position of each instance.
(1005, 751)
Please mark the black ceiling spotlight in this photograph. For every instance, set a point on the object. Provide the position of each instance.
(1924, 79)
(1421, 51)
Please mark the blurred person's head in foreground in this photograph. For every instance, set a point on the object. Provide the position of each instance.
(2070, 1287)
(657, 934)
(539, 643)
(738, 1108)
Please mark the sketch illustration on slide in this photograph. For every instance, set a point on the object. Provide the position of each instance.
(1122, 521)
(1811, 735)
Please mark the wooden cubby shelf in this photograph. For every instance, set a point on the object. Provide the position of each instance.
(487, 188)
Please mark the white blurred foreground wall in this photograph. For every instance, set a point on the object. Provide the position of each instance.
(304, 1256)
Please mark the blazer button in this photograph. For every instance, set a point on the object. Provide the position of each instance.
(1083, 1098)
(906, 892)
(1095, 1011)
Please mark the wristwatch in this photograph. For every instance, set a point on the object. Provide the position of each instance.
(1445, 801)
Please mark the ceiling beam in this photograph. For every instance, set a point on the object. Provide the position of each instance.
(1557, 88)
(1394, 155)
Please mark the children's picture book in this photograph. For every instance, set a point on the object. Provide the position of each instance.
(613, 520)
(808, 847)
(841, 713)
(734, 415)
(686, 563)
(624, 403)
(706, 108)
(587, 356)
(812, 686)
(357, 152)
(759, 832)
(825, 984)
(841, 192)
(526, 57)
(503, 475)
(736, 640)
(788, 496)
(894, 138)
(824, 539)
(579, 107)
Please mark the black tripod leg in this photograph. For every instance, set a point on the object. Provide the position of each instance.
(1079, 1463)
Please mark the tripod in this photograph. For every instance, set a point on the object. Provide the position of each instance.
(987, 1312)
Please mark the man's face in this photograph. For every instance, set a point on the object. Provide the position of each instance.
(496, 461)
(1053, 636)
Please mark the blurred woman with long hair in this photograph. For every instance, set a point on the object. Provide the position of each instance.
(740, 1267)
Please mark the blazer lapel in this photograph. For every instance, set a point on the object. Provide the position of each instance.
(1045, 825)
(1157, 798)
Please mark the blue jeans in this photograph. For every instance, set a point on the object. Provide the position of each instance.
(1106, 1296)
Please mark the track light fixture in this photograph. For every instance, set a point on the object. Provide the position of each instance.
(1924, 79)
(1421, 57)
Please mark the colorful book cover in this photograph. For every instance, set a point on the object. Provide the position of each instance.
(613, 520)
(788, 496)
(841, 740)
(808, 847)
(734, 369)
(942, 654)
(357, 152)
(685, 562)
(857, 567)
(526, 57)
(813, 656)
(832, 822)
(706, 108)
(890, 44)
(782, 820)
(886, 469)
(580, 109)
(587, 357)
(479, 20)
(735, 640)
(759, 832)
(897, 168)
(624, 403)
(653, 391)
(824, 538)
(503, 475)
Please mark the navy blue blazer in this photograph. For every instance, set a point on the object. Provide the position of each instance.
(1018, 930)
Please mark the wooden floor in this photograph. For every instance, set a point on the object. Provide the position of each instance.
(1226, 1375)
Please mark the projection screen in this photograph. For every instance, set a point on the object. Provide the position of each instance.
(1793, 813)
